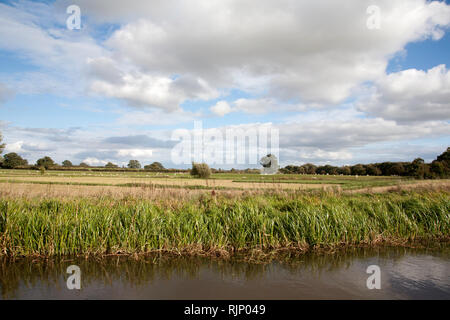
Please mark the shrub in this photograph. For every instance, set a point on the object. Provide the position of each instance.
(200, 170)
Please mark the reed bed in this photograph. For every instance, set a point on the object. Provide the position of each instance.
(219, 225)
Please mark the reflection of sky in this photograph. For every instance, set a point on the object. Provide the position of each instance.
(405, 274)
(409, 277)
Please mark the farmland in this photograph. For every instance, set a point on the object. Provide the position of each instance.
(92, 213)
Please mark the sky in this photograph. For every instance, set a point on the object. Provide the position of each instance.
(341, 82)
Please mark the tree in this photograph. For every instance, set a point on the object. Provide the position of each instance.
(155, 166)
(309, 168)
(445, 159)
(111, 165)
(134, 164)
(417, 168)
(67, 163)
(345, 170)
(13, 160)
(438, 169)
(396, 169)
(358, 170)
(2, 145)
(372, 170)
(84, 165)
(200, 170)
(45, 162)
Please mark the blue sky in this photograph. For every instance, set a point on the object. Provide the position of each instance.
(337, 91)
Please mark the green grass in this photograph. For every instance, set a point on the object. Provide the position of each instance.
(128, 185)
(209, 224)
(345, 182)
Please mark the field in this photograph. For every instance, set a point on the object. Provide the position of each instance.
(101, 213)
(226, 181)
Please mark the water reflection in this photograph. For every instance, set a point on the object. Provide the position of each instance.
(406, 273)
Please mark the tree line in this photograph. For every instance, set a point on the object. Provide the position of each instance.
(439, 168)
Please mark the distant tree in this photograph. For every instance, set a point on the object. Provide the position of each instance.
(134, 164)
(155, 166)
(372, 170)
(111, 165)
(84, 165)
(200, 170)
(2, 145)
(396, 169)
(327, 169)
(358, 170)
(444, 158)
(13, 160)
(309, 168)
(45, 162)
(417, 168)
(345, 170)
(67, 163)
(437, 168)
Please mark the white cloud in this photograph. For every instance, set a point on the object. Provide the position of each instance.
(293, 50)
(29, 30)
(14, 147)
(94, 161)
(256, 106)
(136, 153)
(144, 89)
(411, 95)
(221, 108)
(156, 117)
(164, 55)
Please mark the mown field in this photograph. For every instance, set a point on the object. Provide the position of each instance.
(217, 181)
(92, 213)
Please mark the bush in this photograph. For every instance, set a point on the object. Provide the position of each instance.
(200, 170)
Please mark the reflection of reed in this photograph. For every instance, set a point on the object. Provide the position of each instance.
(145, 270)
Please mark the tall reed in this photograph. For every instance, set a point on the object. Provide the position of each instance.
(212, 224)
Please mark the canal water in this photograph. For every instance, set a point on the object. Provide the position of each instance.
(405, 273)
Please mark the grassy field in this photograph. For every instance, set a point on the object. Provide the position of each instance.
(217, 181)
(92, 213)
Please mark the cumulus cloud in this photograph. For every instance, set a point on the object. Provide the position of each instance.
(139, 140)
(411, 95)
(94, 161)
(221, 108)
(163, 54)
(136, 153)
(333, 134)
(144, 89)
(14, 147)
(256, 106)
(33, 32)
(281, 46)
(156, 117)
